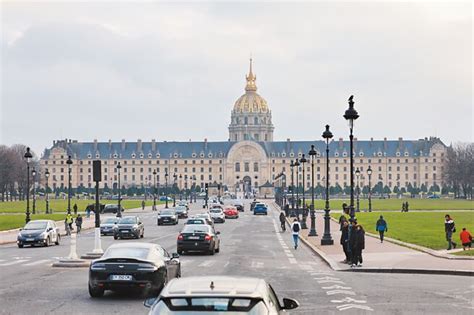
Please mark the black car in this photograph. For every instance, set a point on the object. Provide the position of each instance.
(39, 232)
(239, 205)
(107, 225)
(167, 216)
(200, 238)
(181, 211)
(130, 226)
(112, 209)
(142, 266)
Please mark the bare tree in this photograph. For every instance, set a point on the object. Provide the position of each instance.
(460, 169)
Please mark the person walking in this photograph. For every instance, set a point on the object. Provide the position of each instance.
(466, 239)
(79, 223)
(295, 229)
(351, 239)
(381, 227)
(282, 221)
(69, 220)
(345, 241)
(75, 208)
(359, 245)
(143, 204)
(66, 227)
(449, 229)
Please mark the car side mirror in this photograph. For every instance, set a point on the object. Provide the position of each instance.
(50, 229)
(289, 304)
(174, 255)
(150, 301)
(218, 232)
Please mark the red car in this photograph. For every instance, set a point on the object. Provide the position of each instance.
(231, 213)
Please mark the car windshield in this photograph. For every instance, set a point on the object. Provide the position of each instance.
(181, 208)
(195, 221)
(218, 305)
(215, 211)
(126, 252)
(110, 206)
(35, 225)
(128, 220)
(195, 229)
(167, 212)
(110, 221)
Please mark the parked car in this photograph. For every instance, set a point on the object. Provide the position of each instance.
(201, 238)
(217, 215)
(260, 208)
(163, 198)
(111, 208)
(39, 232)
(237, 295)
(433, 196)
(129, 226)
(107, 226)
(91, 207)
(231, 213)
(181, 211)
(167, 216)
(144, 266)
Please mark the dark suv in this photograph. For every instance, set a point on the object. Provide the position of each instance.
(130, 226)
(111, 209)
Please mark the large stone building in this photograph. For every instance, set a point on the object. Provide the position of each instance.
(249, 159)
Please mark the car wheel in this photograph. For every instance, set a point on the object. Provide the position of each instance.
(96, 292)
(218, 249)
(20, 245)
(178, 273)
(158, 223)
(212, 251)
(58, 239)
(179, 251)
(115, 237)
(48, 242)
(143, 234)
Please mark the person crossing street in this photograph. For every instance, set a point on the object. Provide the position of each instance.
(295, 230)
(79, 223)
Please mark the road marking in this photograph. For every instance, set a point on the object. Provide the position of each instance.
(38, 262)
(256, 264)
(14, 262)
(207, 263)
(346, 292)
(334, 287)
(348, 300)
(349, 306)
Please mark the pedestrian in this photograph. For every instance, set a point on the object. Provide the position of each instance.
(342, 219)
(79, 223)
(403, 206)
(358, 246)
(406, 206)
(69, 220)
(66, 227)
(282, 221)
(345, 241)
(75, 208)
(143, 204)
(351, 239)
(381, 227)
(295, 229)
(466, 238)
(449, 229)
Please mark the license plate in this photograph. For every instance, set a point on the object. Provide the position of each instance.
(125, 231)
(193, 237)
(30, 239)
(121, 277)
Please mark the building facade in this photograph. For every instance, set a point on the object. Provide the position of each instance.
(249, 160)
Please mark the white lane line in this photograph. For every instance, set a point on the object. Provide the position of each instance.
(38, 262)
(256, 264)
(207, 263)
(345, 292)
(19, 261)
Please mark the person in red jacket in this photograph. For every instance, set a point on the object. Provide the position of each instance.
(466, 238)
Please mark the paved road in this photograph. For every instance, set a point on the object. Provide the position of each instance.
(251, 246)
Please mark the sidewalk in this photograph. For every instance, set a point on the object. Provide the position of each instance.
(386, 256)
(10, 236)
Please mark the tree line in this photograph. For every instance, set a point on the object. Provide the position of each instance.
(459, 170)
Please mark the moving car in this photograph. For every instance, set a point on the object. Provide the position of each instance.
(183, 203)
(196, 221)
(205, 216)
(39, 232)
(231, 212)
(201, 238)
(167, 216)
(217, 215)
(107, 226)
(260, 208)
(129, 226)
(219, 294)
(111, 209)
(181, 211)
(239, 205)
(144, 266)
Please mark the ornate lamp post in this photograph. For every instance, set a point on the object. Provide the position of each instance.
(119, 211)
(33, 176)
(312, 156)
(180, 184)
(297, 166)
(327, 239)
(28, 156)
(369, 172)
(166, 189)
(357, 172)
(46, 174)
(194, 184)
(350, 115)
(292, 166)
(303, 160)
(154, 190)
(69, 169)
(186, 192)
(174, 192)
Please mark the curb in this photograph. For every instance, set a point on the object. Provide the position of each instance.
(71, 263)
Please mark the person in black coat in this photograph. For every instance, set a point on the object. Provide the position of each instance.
(351, 239)
(357, 246)
(345, 241)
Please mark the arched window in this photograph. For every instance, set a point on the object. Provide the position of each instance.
(247, 167)
(255, 167)
(237, 167)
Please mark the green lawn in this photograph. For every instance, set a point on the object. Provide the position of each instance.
(465, 253)
(396, 204)
(425, 229)
(60, 205)
(13, 221)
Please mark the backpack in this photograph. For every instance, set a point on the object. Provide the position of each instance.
(296, 227)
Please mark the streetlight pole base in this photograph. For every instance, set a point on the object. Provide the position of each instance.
(327, 241)
(312, 233)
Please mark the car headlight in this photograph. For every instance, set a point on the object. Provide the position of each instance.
(173, 217)
(159, 217)
(135, 227)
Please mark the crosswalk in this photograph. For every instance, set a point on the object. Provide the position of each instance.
(25, 261)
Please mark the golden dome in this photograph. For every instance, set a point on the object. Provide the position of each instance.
(251, 102)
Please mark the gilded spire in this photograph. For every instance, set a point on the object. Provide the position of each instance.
(251, 78)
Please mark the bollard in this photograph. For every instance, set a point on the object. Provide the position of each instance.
(97, 243)
(73, 252)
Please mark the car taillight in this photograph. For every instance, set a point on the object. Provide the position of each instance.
(208, 237)
(180, 237)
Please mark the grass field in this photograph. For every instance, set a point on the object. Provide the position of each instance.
(396, 204)
(13, 221)
(60, 205)
(465, 253)
(421, 228)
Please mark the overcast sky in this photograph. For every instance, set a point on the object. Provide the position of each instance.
(166, 71)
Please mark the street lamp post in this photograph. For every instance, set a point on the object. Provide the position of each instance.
(119, 211)
(174, 187)
(369, 172)
(327, 239)
(69, 169)
(28, 156)
(292, 166)
(357, 172)
(350, 115)
(297, 166)
(154, 190)
(194, 185)
(303, 160)
(166, 189)
(180, 185)
(46, 174)
(186, 191)
(33, 176)
(312, 231)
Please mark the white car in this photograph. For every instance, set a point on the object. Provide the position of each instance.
(217, 215)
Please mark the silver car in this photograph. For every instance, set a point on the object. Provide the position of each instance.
(39, 232)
